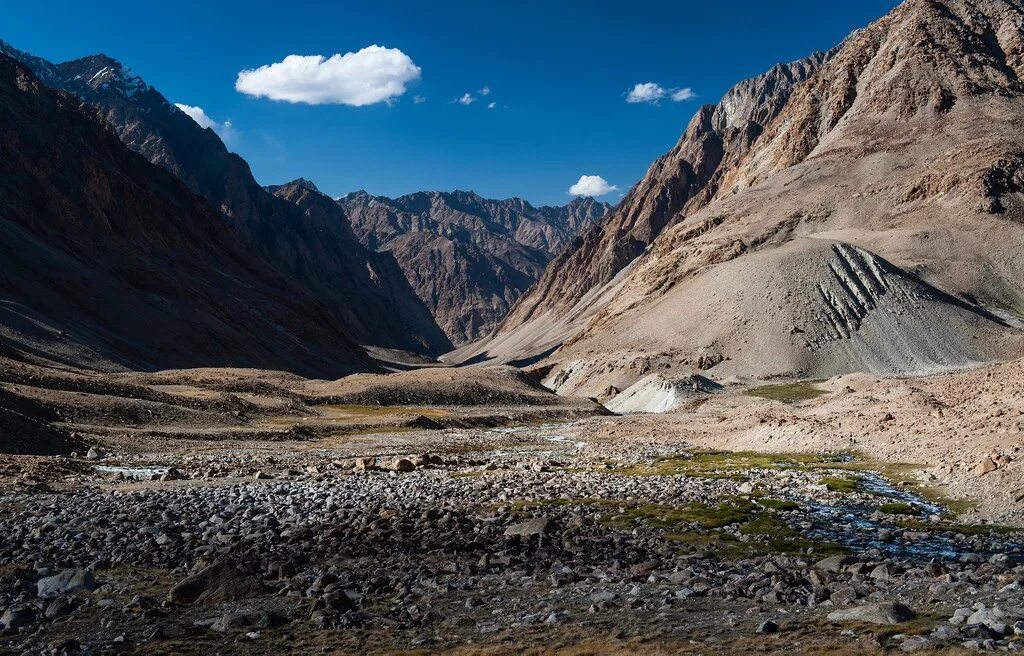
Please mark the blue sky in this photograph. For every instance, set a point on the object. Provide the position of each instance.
(558, 73)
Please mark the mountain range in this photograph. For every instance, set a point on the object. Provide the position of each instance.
(858, 210)
(861, 209)
(468, 258)
(307, 238)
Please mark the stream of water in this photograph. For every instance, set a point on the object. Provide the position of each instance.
(859, 527)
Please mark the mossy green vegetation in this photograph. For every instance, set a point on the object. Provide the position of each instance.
(899, 508)
(841, 484)
(701, 526)
(955, 528)
(788, 392)
(703, 515)
(779, 505)
(767, 524)
(724, 464)
(764, 534)
(352, 410)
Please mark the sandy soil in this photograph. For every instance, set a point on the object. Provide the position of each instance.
(953, 427)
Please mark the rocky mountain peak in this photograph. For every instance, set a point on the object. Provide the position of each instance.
(80, 206)
(682, 181)
(921, 59)
(302, 183)
(468, 257)
(100, 73)
(815, 213)
(42, 69)
(311, 245)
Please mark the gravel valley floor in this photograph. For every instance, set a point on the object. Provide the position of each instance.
(521, 526)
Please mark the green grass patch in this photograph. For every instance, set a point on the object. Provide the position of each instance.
(899, 508)
(726, 547)
(788, 392)
(352, 410)
(779, 505)
(953, 527)
(768, 525)
(841, 484)
(699, 525)
(670, 517)
(724, 464)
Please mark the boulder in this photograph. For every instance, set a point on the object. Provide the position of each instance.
(834, 564)
(220, 582)
(365, 464)
(69, 581)
(535, 526)
(994, 615)
(915, 644)
(404, 465)
(16, 618)
(884, 614)
(985, 466)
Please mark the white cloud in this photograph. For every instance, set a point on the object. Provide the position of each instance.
(419, 100)
(486, 91)
(648, 92)
(591, 185)
(225, 130)
(652, 92)
(492, 105)
(466, 99)
(198, 115)
(369, 76)
(680, 95)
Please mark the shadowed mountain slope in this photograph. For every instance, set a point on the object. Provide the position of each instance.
(339, 272)
(112, 262)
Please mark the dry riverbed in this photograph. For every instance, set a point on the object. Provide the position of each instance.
(528, 527)
(498, 539)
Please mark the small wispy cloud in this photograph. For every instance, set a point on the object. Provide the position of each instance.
(486, 91)
(419, 100)
(592, 185)
(652, 92)
(648, 92)
(492, 105)
(465, 99)
(684, 94)
(225, 130)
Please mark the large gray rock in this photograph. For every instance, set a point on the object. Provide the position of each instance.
(16, 618)
(995, 615)
(69, 581)
(219, 582)
(535, 526)
(915, 644)
(834, 564)
(884, 614)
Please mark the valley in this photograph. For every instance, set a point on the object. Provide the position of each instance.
(391, 514)
(769, 401)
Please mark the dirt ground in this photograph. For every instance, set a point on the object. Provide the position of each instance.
(637, 512)
(961, 434)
